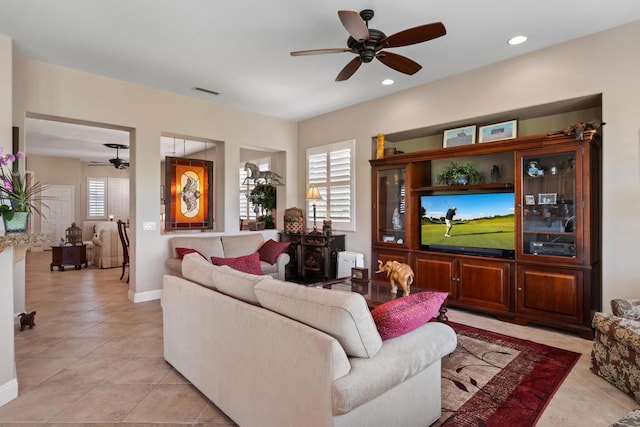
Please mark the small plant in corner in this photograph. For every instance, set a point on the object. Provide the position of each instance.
(459, 174)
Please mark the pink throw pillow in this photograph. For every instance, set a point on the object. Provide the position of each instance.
(183, 251)
(248, 264)
(271, 249)
(402, 315)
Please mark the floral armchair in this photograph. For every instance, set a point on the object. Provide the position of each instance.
(616, 347)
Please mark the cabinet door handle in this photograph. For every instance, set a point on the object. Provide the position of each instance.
(519, 289)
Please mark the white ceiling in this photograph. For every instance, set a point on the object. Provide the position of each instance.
(86, 142)
(241, 49)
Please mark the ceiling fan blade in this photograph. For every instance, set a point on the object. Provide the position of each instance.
(349, 69)
(415, 35)
(354, 24)
(320, 51)
(399, 62)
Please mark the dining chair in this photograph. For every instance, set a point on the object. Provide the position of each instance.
(124, 238)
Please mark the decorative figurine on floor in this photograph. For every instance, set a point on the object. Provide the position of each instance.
(27, 319)
(399, 274)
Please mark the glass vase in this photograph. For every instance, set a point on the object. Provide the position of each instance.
(17, 224)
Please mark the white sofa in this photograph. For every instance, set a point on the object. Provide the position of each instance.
(224, 247)
(107, 247)
(275, 354)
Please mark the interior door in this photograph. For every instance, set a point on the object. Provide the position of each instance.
(59, 212)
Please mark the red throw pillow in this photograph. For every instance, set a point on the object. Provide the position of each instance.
(402, 315)
(271, 249)
(248, 264)
(183, 251)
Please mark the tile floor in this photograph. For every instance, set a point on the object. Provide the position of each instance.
(94, 358)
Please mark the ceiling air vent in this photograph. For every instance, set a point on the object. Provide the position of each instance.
(207, 91)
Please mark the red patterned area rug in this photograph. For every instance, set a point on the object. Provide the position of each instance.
(496, 380)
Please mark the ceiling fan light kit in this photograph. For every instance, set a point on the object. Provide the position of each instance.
(368, 43)
(116, 162)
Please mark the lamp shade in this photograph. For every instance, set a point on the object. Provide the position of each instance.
(313, 193)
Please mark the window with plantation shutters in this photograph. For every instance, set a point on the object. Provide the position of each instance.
(96, 198)
(107, 196)
(331, 168)
(246, 185)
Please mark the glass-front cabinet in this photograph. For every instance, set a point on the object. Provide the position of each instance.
(550, 219)
(390, 206)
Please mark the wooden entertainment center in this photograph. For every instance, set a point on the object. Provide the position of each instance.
(551, 274)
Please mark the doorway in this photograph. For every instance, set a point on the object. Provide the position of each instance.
(58, 213)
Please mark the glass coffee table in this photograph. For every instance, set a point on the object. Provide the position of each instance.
(375, 292)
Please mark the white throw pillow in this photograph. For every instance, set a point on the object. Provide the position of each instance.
(343, 315)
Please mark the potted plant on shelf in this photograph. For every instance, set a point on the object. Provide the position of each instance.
(263, 199)
(459, 174)
(18, 197)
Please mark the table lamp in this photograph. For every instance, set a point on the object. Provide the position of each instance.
(313, 194)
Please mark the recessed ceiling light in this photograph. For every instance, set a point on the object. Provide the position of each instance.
(517, 40)
(387, 82)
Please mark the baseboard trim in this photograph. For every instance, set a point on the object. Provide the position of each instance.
(8, 391)
(144, 296)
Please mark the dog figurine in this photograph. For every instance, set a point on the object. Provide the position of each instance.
(399, 274)
(27, 319)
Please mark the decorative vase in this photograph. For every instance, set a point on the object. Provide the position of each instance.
(462, 180)
(380, 146)
(17, 224)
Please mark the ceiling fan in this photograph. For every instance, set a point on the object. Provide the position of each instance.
(117, 162)
(368, 43)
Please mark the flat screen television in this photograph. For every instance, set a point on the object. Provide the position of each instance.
(483, 225)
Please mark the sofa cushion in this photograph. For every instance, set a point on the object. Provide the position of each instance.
(236, 283)
(402, 315)
(198, 269)
(246, 244)
(270, 250)
(343, 315)
(247, 264)
(207, 246)
(184, 251)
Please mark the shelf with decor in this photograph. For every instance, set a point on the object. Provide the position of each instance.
(541, 263)
(469, 187)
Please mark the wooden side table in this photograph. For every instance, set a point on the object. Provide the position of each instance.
(313, 256)
(75, 255)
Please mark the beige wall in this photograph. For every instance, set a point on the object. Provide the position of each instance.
(604, 63)
(55, 91)
(65, 171)
(8, 383)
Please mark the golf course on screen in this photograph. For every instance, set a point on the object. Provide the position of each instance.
(495, 232)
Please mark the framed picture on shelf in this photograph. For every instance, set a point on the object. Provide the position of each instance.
(388, 239)
(359, 274)
(547, 198)
(188, 194)
(498, 131)
(530, 199)
(459, 136)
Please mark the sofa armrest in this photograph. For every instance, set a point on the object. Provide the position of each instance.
(97, 240)
(624, 331)
(398, 360)
(282, 260)
(174, 265)
(619, 307)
